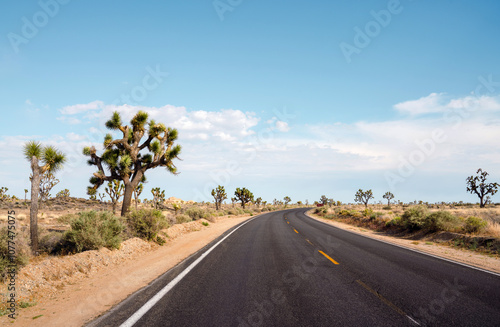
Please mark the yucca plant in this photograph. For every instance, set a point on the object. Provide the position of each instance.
(219, 195)
(51, 160)
(243, 195)
(124, 157)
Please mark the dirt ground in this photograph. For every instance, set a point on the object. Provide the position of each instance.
(75, 289)
(465, 256)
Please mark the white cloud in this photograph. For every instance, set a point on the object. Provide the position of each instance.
(430, 104)
(282, 126)
(80, 108)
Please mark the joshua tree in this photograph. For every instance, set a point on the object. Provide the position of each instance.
(101, 197)
(51, 160)
(258, 201)
(115, 191)
(388, 196)
(123, 158)
(477, 184)
(138, 190)
(233, 201)
(47, 182)
(323, 200)
(25, 194)
(63, 194)
(219, 195)
(177, 207)
(363, 196)
(3, 193)
(244, 196)
(158, 197)
(287, 200)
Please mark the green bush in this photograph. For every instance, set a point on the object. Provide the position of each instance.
(196, 213)
(474, 225)
(146, 223)
(92, 230)
(21, 247)
(396, 221)
(414, 218)
(183, 219)
(367, 212)
(442, 221)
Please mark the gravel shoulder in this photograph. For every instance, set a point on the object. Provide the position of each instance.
(468, 257)
(73, 290)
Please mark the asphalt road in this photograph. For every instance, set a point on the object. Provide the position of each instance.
(285, 269)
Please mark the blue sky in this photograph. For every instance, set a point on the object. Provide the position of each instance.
(266, 87)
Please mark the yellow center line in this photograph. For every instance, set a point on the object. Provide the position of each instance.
(328, 257)
(288, 222)
(309, 242)
(295, 231)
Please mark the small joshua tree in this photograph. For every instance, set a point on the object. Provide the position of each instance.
(287, 200)
(115, 191)
(52, 160)
(219, 195)
(158, 197)
(64, 194)
(477, 185)
(388, 196)
(177, 207)
(138, 190)
(243, 195)
(363, 196)
(3, 193)
(233, 201)
(124, 157)
(323, 200)
(258, 201)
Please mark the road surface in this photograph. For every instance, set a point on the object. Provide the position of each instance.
(286, 269)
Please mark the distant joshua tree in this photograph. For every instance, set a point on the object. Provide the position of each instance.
(52, 160)
(115, 191)
(158, 197)
(287, 200)
(219, 195)
(477, 185)
(124, 157)
(388, 196)
(323, 200)
(243, 195)
(363, 196)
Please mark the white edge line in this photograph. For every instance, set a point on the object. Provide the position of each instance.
(148, 305)
(407, 248)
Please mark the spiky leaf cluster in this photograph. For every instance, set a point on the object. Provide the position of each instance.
(243, 195)
(219, 195)
(130, 156)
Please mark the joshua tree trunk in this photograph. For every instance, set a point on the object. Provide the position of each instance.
(35, 189)
(128, 192)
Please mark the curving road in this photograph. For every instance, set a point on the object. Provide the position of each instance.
(286, 269)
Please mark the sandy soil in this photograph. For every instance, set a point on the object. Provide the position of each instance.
(465, 256)
(95, 288)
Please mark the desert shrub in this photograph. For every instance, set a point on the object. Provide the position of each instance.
(183, 219)
(92, 230)
(414, 217)
(442, 221)
(49, 243)
(66, 219)
(387, 207)
(160, 240)
(21, 248)
(396, 221)
(474, 225)
(146, 223)
(367, 212)
(196, 213)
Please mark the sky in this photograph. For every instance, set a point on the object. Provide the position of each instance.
(286, 98)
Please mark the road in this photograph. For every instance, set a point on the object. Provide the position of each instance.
(286, 269)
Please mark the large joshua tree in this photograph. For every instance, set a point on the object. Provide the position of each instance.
(51, 160)
(124, 157)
